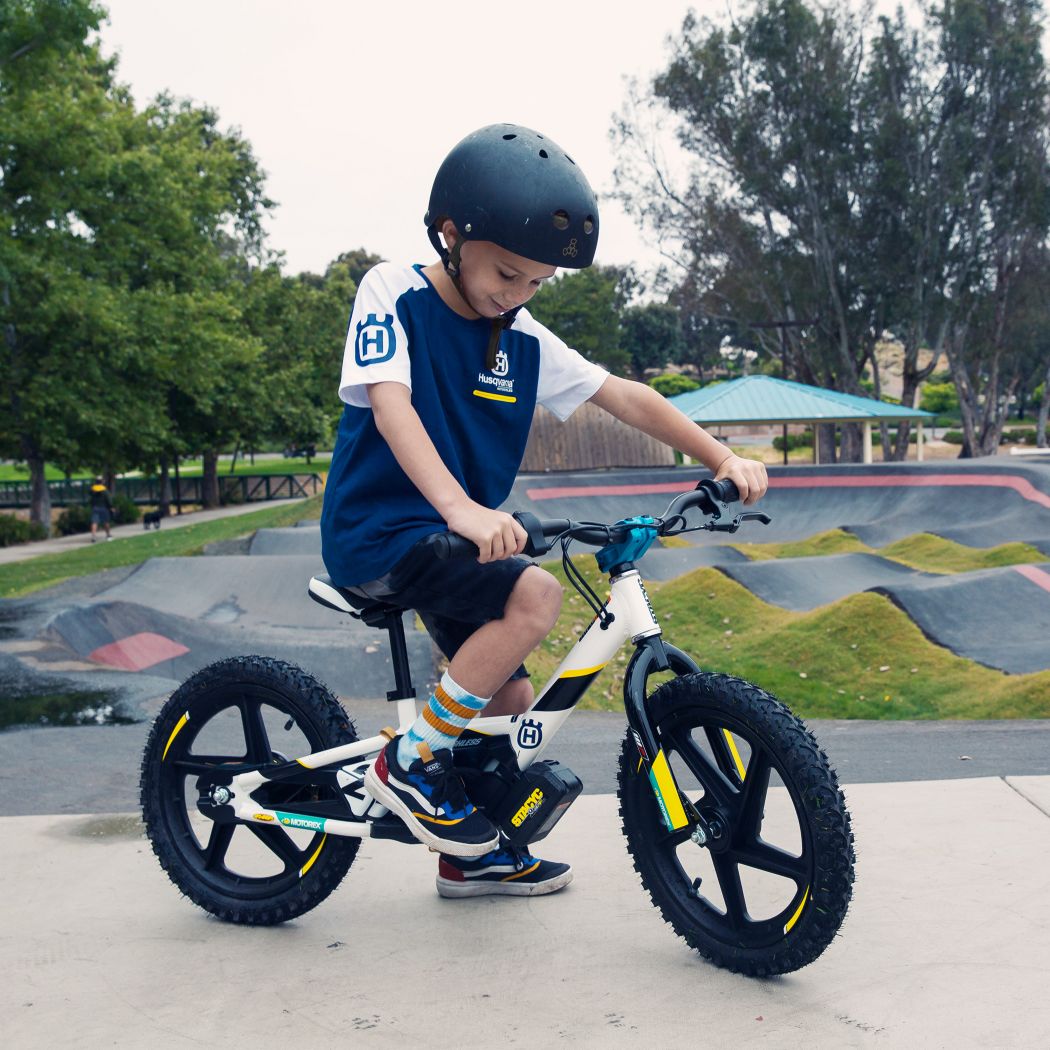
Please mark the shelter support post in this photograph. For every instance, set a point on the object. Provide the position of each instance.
(785, 444)
(867, 442)
(816, 442)
(918, 441)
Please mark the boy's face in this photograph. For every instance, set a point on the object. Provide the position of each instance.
(497, 280)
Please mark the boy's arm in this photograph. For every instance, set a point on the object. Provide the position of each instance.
(641, 407)
(496, 534)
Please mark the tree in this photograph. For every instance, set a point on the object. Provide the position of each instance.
(651, 336)
(865, 183)
(119, 305)
(584, 308)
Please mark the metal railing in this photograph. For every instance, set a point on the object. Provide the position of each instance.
(233, 488)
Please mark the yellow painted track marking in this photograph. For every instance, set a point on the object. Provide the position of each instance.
(661, 771)
(309, 864)
(174, 733)
(736, 754)
(494, 397)
(798, 911)
(580, 672)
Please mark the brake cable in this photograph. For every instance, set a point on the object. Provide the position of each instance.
(583, 588)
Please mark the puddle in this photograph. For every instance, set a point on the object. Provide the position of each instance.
(51, 707)
(123, 826)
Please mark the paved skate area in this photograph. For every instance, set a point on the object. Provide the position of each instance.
(944, 945)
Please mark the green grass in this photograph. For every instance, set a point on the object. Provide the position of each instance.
(827, 663)
(24, 577)
(921, 551)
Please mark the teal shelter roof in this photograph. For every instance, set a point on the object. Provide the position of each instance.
(763, 399)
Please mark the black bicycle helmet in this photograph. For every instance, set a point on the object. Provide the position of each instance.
(515, 187)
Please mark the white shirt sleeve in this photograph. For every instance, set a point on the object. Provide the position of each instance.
(376, 348)
(567, 378)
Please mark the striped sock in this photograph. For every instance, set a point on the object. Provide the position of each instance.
(445, 716)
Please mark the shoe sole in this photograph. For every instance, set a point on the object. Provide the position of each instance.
(381, 793)
(453, 890)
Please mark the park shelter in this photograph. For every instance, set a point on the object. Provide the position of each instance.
(763, 400)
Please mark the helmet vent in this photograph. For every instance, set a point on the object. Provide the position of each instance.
(544, 154)
(507, 138)
(570, 160)
(588, 224)
(560, 220)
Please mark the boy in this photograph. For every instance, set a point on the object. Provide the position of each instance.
(441, 375)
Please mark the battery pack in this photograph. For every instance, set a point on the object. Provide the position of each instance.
(535, 802)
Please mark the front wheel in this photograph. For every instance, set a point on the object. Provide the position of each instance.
(250, 711)
(768, 891)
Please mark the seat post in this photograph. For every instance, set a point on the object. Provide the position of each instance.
(403, 688)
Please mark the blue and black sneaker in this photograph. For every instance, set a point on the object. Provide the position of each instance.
(429, 798)
(506, 870)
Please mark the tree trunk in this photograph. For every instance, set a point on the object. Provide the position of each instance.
(852, 448)
(827, 443)
(1044, 411)
(39, 493)
(210, 481)
(164, 497)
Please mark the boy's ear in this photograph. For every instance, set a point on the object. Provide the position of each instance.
(449, 233)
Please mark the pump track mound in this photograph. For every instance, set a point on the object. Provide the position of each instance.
(171, 616)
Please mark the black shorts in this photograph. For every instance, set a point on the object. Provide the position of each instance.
(453, 597)
(100, 515)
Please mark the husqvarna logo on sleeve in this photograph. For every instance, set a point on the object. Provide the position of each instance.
(375, 339)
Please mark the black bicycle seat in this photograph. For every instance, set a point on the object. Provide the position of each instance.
(350, 600)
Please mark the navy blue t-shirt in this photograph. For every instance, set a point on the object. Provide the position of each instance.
(402, 331)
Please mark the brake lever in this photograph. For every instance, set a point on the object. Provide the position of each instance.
(732, 526)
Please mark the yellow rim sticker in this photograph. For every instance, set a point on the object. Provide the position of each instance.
(736, 754)
(309, 864)
(806, 895)
(174, 733)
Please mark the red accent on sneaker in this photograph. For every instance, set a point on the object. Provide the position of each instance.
(450, 871)
(381, 767)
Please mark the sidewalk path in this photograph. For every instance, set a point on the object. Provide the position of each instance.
(944, 945)
(57, 544)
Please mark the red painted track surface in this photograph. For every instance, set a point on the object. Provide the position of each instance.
(1022, 486)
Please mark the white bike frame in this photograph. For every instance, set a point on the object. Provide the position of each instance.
(630, 616)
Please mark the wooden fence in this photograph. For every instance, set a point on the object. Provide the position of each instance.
(590, 438)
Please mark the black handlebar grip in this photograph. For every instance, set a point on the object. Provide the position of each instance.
(448, 545)
(727, 491)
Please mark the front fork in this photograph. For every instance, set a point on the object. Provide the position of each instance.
(652, 655)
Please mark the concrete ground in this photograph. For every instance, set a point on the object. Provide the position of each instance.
(945, 945)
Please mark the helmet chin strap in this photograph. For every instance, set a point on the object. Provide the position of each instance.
(451, 262)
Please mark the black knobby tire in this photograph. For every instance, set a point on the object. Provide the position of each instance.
(772, 896)
(251, 704)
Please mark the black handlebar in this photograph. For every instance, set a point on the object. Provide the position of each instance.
(542, 532)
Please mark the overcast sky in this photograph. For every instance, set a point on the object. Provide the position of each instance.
(351, 106)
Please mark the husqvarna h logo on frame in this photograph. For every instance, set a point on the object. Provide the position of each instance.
(375, 339)
(530, 733)
(502, 363)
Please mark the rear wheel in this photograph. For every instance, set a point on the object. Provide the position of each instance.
(243, 712)
(768, 891)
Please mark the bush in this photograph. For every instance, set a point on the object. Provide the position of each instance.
(125, 511)
(14, 530)
(939, 398)
(804, 440)
(953, 437)
(75, 518)
(672, 385)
